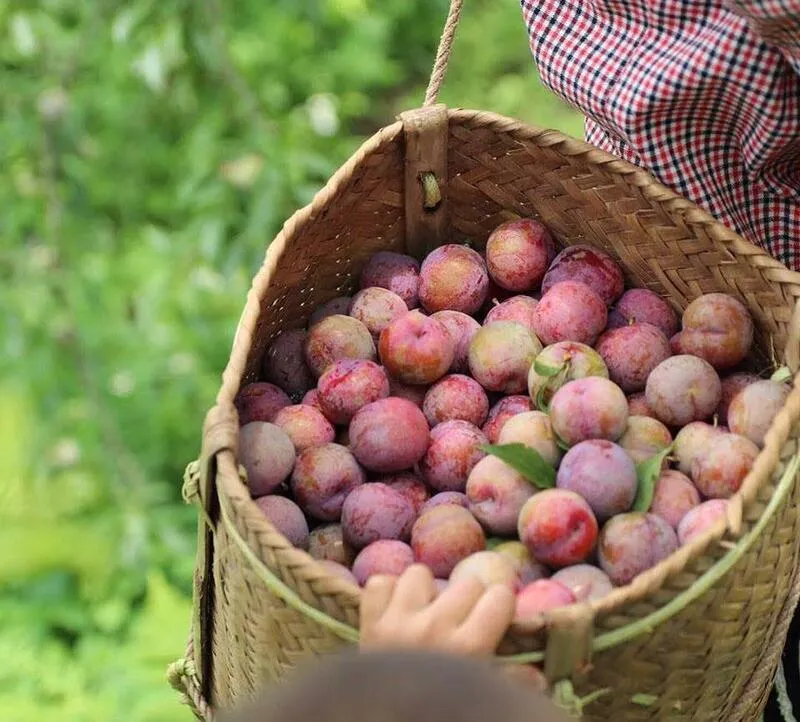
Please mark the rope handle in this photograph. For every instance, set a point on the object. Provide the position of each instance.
(443, 53)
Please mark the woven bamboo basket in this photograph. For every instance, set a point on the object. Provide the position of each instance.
(696, 638)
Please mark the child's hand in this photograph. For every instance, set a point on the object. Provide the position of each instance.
(404, 612)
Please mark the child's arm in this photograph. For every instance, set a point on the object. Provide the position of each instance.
(776, 21)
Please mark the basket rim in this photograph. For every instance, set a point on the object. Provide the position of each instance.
(651, 580)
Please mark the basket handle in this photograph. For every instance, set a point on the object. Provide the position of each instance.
(443, 53)
(792, 353)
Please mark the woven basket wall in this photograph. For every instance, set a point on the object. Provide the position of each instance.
(708, 658)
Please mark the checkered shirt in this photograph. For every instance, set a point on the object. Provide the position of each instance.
(704, 94)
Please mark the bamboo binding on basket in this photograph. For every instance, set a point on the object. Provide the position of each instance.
(697, 637)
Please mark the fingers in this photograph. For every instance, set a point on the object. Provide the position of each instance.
(375, 599)
(455, 603)
(488, 619)
(413, 592)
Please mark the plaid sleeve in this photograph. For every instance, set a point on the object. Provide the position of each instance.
(776, 21)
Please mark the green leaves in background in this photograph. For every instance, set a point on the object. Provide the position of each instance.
(151, 151)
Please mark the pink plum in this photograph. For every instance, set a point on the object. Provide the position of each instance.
(416, 349)
(462, 329)
(323, 477)
(385, 556)
(518, 253)
(260, 402)
(570, 311)
(396, 272)
(590, 266)
(453, 277)
(453, 452)
(348, 385)
(501, 412)
(390, 434)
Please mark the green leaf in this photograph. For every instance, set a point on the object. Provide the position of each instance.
(543, 369)
(647, 472)
(494, 542)
(781, 375)
(526, 461)
(644, 700)
(561, 444)
(540, 400)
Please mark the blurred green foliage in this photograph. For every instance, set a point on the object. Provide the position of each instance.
(150, 151)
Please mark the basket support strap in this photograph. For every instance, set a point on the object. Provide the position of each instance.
(425, 130)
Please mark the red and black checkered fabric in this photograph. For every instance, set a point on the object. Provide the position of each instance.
(704, 94)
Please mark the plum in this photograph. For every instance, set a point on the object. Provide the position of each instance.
(376, 308)
(335, 307)
(416, 349)
(631, 353)
(674, 496)
(690, 441)
(500, 356)
(632, 543)
(533, 429)
(682, 389)
(462, 329)
(717, 328)
(755, 407)
(286, 517)
(700, 519)
(585, 581)
(322, 479)
(285, 363)
(590, 266)
(517, 308)
(336, 338)
(562, 362)
(731, 386)
(644, 437)
(540, 596)
(720, 468)
(590, 408)
(443, 498)
(414, 394)
(410, 486)
(602, 473)
(327, 543)
(456, 397)
(570, 311)
(338, 570)
(489, 568)
(528, 569)
(349, 384)
(639, 305)
(395, 272)
(453, 452)
(376, 511)
(638, 406)
(453, 278)
(558, 527)
(496, 494)
(385, 556)
(445, 535)
(305, 426)
(518, 253)
(390, 434)
(260, 401)
(501, 412)
(267, 454)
